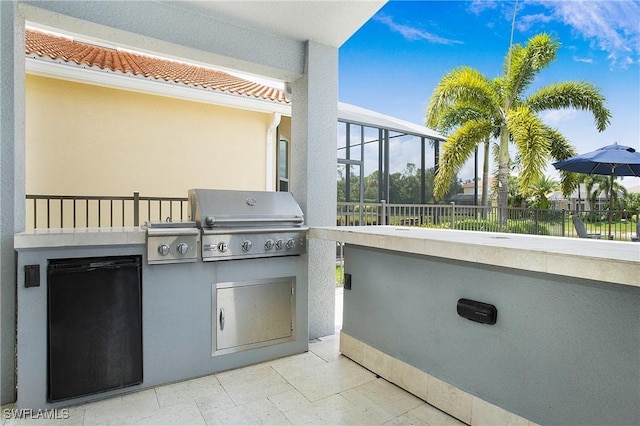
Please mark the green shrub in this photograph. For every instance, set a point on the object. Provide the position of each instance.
(513, 227)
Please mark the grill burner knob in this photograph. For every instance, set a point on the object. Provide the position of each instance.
(164, 249)
(222, 247)
(246, 245)
(290, 243)
(268, 245)
(183, 248)
(279, 244)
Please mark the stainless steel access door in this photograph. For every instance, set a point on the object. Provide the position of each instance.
(252, 314)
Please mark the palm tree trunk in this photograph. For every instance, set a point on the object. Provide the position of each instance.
(485, 175)
(503, 176)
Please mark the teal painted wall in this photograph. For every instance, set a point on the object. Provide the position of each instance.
(563, 351)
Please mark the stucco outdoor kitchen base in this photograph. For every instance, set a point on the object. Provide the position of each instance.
(176, 310)
(564, 349)
(448, 398)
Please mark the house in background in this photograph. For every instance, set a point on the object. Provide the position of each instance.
(168, 126)
(468, 197)
(578, 199)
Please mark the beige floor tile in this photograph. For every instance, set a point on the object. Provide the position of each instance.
(327, 348)
(430, 415)
(405, 420)
(261, 412)
(334, 410)
(289, 401)
(253, 383)
(329, 379)
(382, 397)
(6, 415)
(185, 414)
(204, 391)
(121, 410)
(484, 413)
(307, 359)
(447, 397)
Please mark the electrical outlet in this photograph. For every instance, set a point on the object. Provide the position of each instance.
(347, 281)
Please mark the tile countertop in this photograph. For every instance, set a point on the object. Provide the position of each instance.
(609, 261)
(75, 237)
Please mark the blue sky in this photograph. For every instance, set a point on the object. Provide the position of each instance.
(393, 63)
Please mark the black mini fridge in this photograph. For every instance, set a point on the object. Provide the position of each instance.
(94, 325)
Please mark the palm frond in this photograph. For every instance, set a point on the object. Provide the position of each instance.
(523, 63)
(456, 150)
(462, 84)
(560, 149)
(531, 138)
(578, 95)
(456, 115)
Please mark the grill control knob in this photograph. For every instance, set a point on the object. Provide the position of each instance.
(268, 245)
(183, 248)
(164, 249)
(279, 244)
(222, 247)
(291, 243)
(246, 245)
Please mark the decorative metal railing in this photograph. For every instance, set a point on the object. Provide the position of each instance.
(89, 211)
(475, 218)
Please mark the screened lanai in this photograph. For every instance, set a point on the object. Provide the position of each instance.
(374, 148)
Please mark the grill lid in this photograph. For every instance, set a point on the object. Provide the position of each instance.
(216, 208)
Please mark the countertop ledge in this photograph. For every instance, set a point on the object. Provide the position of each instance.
(609, 261)
(78, 237)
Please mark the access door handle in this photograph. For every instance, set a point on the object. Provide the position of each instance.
(221, 318)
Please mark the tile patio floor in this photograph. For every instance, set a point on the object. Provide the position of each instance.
(317, 387)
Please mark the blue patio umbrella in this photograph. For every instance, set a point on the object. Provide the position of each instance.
(611, 160)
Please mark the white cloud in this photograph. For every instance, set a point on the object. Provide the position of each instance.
(611, 26)
(554, 117)
(525, 22)
(585, 60)
(413, 33)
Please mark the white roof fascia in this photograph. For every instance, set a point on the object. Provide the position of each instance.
(353, 114)
(107, 78)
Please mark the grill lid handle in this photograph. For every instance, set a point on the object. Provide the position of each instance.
(212, 220)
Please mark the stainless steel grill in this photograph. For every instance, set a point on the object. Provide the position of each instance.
(247, 224)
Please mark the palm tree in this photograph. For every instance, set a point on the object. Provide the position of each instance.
(593, 186)
(541, 189)
(503, 110)
(614, 196)
(472, 127)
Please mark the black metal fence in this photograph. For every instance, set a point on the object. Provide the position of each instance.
(89, 211)
(475, 218)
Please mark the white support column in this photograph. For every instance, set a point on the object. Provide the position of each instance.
(313, 174)
(12, 182)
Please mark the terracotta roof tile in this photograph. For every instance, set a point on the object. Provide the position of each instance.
(68, 50)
